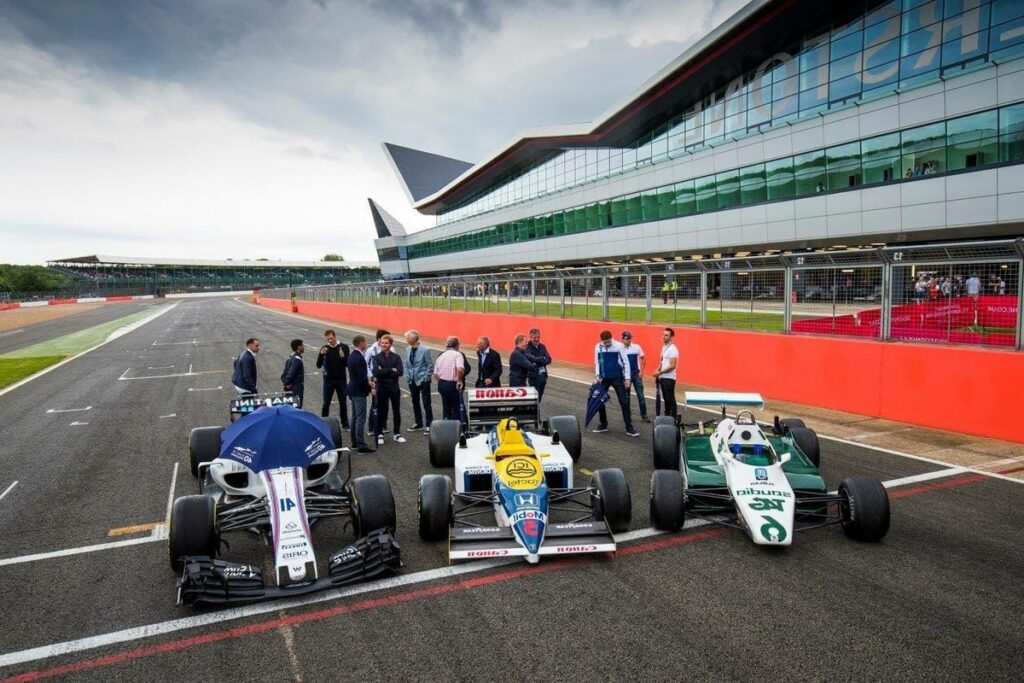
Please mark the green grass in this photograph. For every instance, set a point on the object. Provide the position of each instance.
(591, 310)
(76, 342)
(15, 369)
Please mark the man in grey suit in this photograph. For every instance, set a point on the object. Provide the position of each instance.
(419, 367)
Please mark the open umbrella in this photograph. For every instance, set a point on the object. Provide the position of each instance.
(598, 396)
(281, 436)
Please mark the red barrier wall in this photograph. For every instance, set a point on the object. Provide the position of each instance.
(7, 307)
(281, 304)
(118, 298)
(966, 390)
(58, 302)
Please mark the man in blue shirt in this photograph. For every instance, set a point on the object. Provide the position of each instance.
(637, 364)
(538, 354)
(611, 365)
(419, 368)
(294, 377)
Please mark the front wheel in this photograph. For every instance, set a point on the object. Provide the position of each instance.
(442, 442)
(193, 530)
(334, 425)
(373, 504)
(610, 498)
(864, 508)
(668, 500)
(434, 506)
(203, 447)
(666, 447)
(807, 441)
(568, 429)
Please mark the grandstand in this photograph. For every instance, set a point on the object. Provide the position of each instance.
(102, 275)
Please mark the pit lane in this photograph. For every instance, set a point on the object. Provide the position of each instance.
(695, 604)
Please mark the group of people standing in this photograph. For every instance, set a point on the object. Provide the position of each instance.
(368, 376)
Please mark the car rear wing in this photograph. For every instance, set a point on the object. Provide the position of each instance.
(248, 403)
(722, 399)
(486, 407)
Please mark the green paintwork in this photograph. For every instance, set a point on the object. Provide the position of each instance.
(702, 471)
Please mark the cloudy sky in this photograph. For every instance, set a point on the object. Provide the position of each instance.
(252, 128)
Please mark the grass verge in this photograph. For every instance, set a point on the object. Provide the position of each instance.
(15, 369)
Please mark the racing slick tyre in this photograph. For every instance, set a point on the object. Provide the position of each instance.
(193, 529)
(203, 446)
(807, 441)
(610, 499)
(373, 504)
(442, 442)
(792, 422)
(334, 425)
(568, 428)
(666, 447)
(864, 508)
(668, 504)
(435, 506)
(665, 420)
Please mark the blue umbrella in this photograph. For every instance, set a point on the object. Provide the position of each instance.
(598, 397)
(282, 436)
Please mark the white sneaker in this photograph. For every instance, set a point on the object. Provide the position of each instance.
(380, 440)
(399, 438)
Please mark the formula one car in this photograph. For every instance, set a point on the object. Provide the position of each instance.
(767, 484)
(278, 493)
(508, 481)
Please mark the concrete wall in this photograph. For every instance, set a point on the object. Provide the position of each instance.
(962, 389)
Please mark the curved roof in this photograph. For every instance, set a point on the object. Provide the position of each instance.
(726, 49)
(103, 259)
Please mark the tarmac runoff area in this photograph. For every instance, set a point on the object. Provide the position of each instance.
(87, 593)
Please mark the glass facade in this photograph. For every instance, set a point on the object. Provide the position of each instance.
(960, 144)
(899, 44)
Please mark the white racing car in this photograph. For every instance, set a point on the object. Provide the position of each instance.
(510, 483)
(279, 498)
(735, 474)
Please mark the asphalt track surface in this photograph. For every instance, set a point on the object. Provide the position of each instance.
(12, 340)
(939, 598)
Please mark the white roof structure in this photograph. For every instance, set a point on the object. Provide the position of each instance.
(130, 261)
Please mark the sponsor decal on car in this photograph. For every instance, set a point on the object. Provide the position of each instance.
(761, 504)
(286, 504)
(761, 474)
(487, 553)
(518, 392)
(480, 529)
(520, 515)
(521, 468)
(762, 492)
(772, 530)
(526, 500)
(574, 525)
(242, 453)
(294, 555)
(576, 548)
(316, 448)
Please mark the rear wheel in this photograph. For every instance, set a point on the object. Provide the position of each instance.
(193, 529)
(864, 508)
(334, 425)
(435, 506)
(442, 442)
(666, 447)
(568, 428)
(792, 422)
(610, 499)
(373, 505)
(668, 510)
(807, 441)
(203, 447)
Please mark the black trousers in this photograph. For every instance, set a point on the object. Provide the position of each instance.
(332, 387)
(619, 385)
(668, 396)
(388, 394)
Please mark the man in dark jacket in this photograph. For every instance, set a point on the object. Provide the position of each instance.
(387, 370)
(488, 364)
(244, 375)
(519, 366)
(333, 363)
(294, 376)
(358, 390)
(538, 354)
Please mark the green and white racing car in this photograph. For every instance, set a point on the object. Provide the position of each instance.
(729, 471)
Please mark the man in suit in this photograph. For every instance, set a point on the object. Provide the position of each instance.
(519, 366)
(333, 363)
(358, 389)
(419, 368)
(488, 365)
(244, 375)
(538, 354)
(294, 376)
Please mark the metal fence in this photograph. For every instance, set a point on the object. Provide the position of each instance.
(962, 293)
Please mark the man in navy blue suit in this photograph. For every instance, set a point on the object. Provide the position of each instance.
(293, 378)
(244, 375)
(489, 364)
(358, 389)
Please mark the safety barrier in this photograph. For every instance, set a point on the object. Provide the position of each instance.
(963, 389)
(8, 307)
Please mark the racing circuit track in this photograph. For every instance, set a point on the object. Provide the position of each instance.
(939, 598)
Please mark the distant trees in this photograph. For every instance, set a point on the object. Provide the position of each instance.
(333, 257)
(15, 278)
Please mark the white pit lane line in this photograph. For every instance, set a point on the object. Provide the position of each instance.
(8, 490)
(233, 614)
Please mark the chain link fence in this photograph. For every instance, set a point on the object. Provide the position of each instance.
(964, 293)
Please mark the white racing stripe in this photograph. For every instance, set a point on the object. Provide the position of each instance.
(8, 490)
(74, 551)
(233, 614)
(114, 335)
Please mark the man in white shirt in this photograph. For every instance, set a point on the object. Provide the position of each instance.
(973, 286)
(449, 370)
(637, 364)
(665, 375)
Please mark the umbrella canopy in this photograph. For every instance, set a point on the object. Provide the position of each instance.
(597, 398)
(282, 436)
